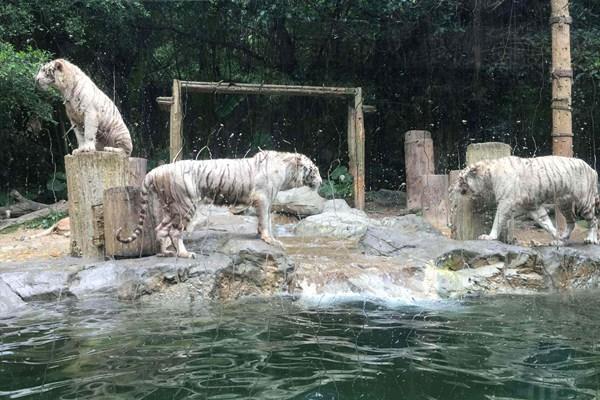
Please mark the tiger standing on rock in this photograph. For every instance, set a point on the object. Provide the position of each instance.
(523, 185)
(255, 181)
(96, 120)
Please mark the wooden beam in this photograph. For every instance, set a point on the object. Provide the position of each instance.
(164, 103)
(176, 140)
(251, 88)
(352, 156)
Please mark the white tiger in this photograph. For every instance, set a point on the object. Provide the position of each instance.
(183, 185)
(523, 185)
(96, 120)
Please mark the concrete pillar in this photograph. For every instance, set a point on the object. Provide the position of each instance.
(470, 217)
(418, 154)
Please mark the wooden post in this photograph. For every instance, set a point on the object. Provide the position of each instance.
(176, 140)
(435, 200)
(359, 180)
(469, 217)
(356, 148)
(418, 160)
(121, 210)
(88, 175)
(562, 75)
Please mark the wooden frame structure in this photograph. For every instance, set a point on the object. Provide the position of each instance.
(356, 129)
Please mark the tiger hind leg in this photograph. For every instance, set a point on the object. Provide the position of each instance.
(162, 235)
(540, 215)
(176, 235)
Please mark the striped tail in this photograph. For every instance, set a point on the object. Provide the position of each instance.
(143, 212)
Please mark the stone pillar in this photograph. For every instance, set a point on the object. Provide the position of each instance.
(435, 200)
(88, 175)
(470, 218)
(418, 154)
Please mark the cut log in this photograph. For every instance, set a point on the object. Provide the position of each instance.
(59, 207)
(470, 217)
(121, 210)
(435, 200)
(88, 175)
(418, 154)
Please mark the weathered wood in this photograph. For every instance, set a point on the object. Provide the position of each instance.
(268, 89)
(486, 151)
(359, 148)
(59, 207)
(137, 171)
(470, 217)
(175, 124)
(356, 130)
(21, 206)
(88, 175)
(435, 200)
(164, 103)
(562, 76)
(121, 210)
(418, 156)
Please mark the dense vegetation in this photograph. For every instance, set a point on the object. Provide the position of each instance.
(468, 70)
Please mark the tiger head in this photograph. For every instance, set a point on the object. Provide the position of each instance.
(51, 74)
(306, 173)
(471, 180)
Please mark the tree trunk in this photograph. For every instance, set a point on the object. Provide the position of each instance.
(121, 210)
(88, 175)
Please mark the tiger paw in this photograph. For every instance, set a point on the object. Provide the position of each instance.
(272, 241)
(187, 254)
(486, 237)
(590, 240)
(557, 243)
(167, 253)
(86, 148)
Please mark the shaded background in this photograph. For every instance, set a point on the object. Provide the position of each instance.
(467, 70)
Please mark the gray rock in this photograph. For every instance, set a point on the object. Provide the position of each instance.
(302, 201)
(48, 281)
(9, 300)
(338, 220)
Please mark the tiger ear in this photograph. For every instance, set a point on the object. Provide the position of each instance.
(59, 65)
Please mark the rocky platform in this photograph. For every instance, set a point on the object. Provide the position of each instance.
(338, 254)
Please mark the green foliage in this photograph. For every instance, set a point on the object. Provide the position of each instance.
(46, 222)
(338, 184)
(21, 101)
(57, 184)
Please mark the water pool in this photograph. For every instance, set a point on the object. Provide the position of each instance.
(517, 347)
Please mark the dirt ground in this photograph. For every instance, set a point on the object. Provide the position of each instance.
(18, 246)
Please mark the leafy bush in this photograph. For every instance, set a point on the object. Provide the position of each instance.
(338, 184)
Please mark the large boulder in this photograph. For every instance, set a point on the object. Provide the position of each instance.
(9, 300)
(302, 201)
(338, 220)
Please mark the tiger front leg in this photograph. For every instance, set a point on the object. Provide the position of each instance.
(263, 211)
(500, 220)
(87, 142)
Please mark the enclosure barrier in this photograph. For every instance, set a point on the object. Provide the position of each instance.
(356, 129)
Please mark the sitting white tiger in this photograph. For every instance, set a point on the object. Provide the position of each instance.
(255, 181)
(96, 120)
(522, 185)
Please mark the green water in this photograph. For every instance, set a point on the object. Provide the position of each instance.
(541, 347)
